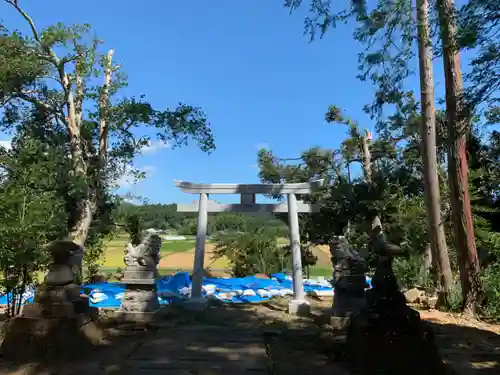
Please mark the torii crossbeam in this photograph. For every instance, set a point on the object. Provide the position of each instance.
(299, 304)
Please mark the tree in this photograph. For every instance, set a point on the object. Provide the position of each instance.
(458, 127)
(388, 31)
(479, 31)
(356, 148)
(429, 156)
(394, 194)
(58, 79)
(255, 250)
(33, 212)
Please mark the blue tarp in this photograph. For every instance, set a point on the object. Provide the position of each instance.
(26, 298)
(178, 287)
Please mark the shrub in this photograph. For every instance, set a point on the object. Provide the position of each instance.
(253, 251)
(491, 279)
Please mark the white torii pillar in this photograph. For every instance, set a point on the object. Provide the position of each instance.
(299, 304)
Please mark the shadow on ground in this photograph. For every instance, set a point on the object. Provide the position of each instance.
(470, 350)
(256, 339)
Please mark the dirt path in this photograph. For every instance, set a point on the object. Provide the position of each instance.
(185, 259)
(472, 347)
(221, 340)
(258, 339)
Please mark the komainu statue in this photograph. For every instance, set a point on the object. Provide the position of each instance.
(387, 336)
(349, 280)
(146, 254)
(140, 300)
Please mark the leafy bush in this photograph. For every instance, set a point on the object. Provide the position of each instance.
(93, 255)
(491, 279)
(455, 300)
(33, 214)
(410, 273)
(254, 251)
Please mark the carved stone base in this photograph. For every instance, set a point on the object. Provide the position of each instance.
(47, 339)
(389, 338)
(140, 316)
(196, 304)
(339, 323)
(345, 304)
(139, 299)
(56, 310)
(139, 275)
(299, 308)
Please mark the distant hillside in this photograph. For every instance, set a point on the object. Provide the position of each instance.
(166, 217)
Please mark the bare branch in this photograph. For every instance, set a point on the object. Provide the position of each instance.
(27, 96)
(53, 57)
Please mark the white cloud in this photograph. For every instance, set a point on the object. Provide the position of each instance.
(154, 146)
(129, 178)
(6, 144)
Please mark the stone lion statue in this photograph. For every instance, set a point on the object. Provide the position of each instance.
(146, 254)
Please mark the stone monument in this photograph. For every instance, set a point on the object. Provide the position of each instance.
(140, 300)
(349, 282)
(387, 336)
(60, 322)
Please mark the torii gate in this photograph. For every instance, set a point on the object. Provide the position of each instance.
(247, 204)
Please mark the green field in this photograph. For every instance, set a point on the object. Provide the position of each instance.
(115, 249)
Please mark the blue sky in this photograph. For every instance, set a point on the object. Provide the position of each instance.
(246, 62)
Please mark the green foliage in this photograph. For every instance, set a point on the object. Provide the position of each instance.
(410, 273)
(157, 216)
(254, 251)
(133, 227)
(396, 194)
(479, 30)
(93, 255)
(189, 227)
(21, 67)
(57, 75)
(76, 108)
(222, 222)
(491, 278)
(33, 214)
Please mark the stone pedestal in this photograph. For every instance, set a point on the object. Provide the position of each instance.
(387, 336)
(140, 300)
(60, 324)
(198, 304)
(31, 338)
(299, 307)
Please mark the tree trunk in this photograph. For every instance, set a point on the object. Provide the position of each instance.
(367, 158)
(367, 171)
(457, 162)
(428, 260)
(80, 232)
(84, 209)
(103, 109)
(88, 205)
(437, 237)
(73, 103)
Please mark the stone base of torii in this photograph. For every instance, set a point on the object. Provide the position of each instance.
(299, 304)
